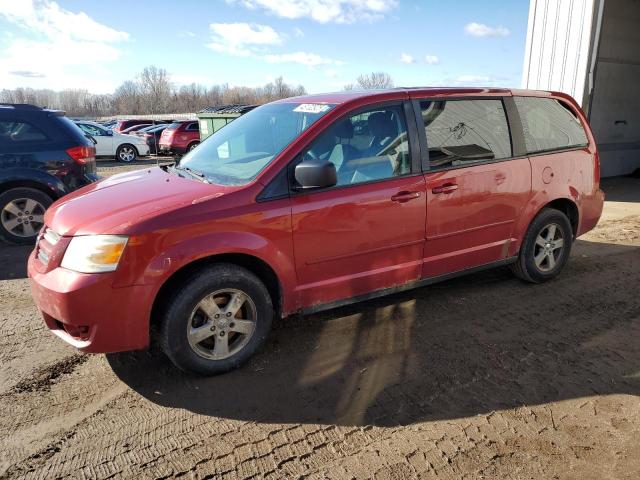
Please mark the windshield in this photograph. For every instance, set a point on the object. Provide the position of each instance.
(238, 152)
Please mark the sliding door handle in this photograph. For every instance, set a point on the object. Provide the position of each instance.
(446, 188)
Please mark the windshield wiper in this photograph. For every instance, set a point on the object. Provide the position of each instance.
(193, 173)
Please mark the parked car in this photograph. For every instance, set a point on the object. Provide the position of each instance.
(109, 124)
(135, 128)
(43, 156)
(287, 209)
(121, 125)
(151, 135)
(110, 143)
(179, 137)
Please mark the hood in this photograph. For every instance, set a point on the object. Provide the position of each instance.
(115, 205)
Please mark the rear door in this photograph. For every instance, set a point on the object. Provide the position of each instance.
(476, 187)
(367, 232)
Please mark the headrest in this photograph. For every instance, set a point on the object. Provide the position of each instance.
(382, 125)
(343, 129)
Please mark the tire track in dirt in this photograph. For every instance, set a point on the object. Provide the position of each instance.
(481, 376)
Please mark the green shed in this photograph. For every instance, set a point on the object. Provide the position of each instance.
(212, 119)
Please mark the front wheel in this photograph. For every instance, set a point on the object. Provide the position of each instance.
(216, 321)
(22, 214)
(545, 248)
(126, 153)
(192, 146)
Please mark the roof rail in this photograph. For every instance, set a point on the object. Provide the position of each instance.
(21, 106)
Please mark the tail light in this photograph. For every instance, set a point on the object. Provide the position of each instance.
(82, 154)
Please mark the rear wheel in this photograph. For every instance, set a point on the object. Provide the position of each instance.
(192, 146)
(216, 321)
(545, 248)
(22, 214)
(126, 153)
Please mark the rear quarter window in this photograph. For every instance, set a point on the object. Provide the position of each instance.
(548, 125)
(20, 132)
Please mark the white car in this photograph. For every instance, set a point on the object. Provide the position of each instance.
(123, 147)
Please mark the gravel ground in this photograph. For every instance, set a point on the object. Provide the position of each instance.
(479, 377)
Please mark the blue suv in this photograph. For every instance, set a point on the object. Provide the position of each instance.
(43, 156)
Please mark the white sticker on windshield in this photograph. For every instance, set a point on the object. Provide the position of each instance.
(311, 108)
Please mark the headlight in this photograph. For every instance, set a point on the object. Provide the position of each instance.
(94, 253)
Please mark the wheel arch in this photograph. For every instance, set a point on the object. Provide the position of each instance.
(565, 204)
(54, 193)
(569, 208)
(255, 265)
(127, 144)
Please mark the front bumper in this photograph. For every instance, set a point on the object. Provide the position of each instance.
(143, 149)
(86, 311)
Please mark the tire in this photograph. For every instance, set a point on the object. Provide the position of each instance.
(192, 146)
(545, 248)
(22, 214)
(126, 153)
(202, 351)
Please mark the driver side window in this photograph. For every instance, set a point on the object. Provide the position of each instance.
(372, 145)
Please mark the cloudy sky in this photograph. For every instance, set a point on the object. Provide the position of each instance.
(322, 44)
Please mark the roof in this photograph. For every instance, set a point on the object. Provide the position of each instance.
(228, 109)
(350, 95)
(29, 107)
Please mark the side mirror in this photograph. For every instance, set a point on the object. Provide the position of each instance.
(109, 133)
(315, 174)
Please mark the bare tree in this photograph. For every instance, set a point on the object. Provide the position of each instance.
(371, 81)
(156, 89)
(128, 98)
(151, 92)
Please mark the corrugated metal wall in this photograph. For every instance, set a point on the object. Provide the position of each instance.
(559, 39)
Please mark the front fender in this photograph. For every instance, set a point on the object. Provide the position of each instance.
(163, 265)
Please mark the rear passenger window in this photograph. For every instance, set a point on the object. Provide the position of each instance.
(464, 132)
(19, 132)
(549, 125)
(370, 146)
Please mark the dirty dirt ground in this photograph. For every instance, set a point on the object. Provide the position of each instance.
(479, 377)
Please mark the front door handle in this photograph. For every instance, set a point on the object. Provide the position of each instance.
(446, 188)
(404, 196)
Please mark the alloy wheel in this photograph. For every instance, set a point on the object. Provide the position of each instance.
(548, 248)
(127, 154)
(221, 324)
(23, 217)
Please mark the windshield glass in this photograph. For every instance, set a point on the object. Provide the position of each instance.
(238, 152)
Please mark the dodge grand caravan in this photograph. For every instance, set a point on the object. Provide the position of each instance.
(313, 202)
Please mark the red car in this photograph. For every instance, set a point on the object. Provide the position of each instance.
(313, 202)
(122, 125)
(179, 137)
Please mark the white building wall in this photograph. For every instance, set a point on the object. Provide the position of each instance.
(559, 38)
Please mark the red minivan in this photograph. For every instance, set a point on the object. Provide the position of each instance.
(313, 202)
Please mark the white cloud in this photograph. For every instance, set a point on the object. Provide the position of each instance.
(331, 73)
(481, 30)
(298, 32)
(242, 39)
(310, 60)
(60, 48)
(324, 11)
(406, 58)
(186, 34)
(431, 60)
